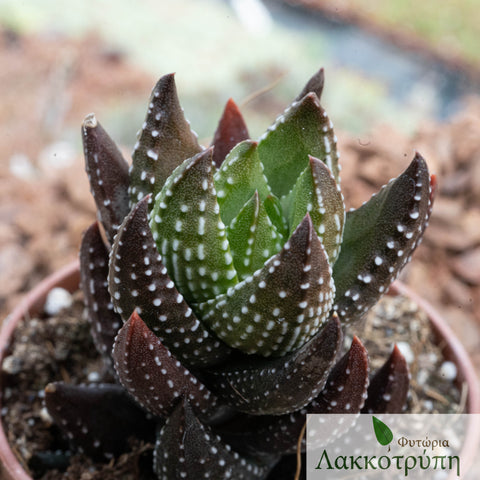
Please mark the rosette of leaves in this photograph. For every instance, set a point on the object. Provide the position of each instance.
(218, 282)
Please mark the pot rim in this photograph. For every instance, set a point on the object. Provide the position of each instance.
(455, 351)
(69, 277)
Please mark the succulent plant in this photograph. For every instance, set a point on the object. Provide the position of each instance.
(219, 282)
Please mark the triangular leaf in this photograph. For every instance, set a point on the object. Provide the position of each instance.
(346, 387)
(85, 414)
(304, 129)
(315, 85)
(279, 385)
(388, 388)
(230, 131)
(187, 449)
(240, 175)
(104, 321)
(189, 233)
(253, 239)
(280, 307)
(164, 142)
(107, 172)
(317, 193)
(155, 378)
(379, 239)
(138, 280)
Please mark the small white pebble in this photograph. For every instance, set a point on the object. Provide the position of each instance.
(12, 365)
(57, 300)
(422, 377)
(428, 405)
(448, 370)
(93, 377)
(45, 416)
(406, 351)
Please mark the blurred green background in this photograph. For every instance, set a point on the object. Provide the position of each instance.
(261, 53)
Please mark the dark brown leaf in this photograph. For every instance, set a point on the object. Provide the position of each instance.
(155, 378)
(231, 130)
(315, 85)
(281, 385)
(388, 388)
(104, 321)
(165, 141)
(99, 419)
(107, 172)
(188, 450)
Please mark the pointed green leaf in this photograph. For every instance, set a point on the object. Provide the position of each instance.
(379, 239)
(280, 307)
(317, 193)
(275, 213)
(304, 129)
(189, 233)
(252, 237)
(382, 432)
(138, 280)
(240, 175)
(164, 142)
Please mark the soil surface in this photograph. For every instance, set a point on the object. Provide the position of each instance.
(47, 349)
(59, 348)
(45, 202)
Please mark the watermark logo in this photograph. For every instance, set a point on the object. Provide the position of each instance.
(382, 432)
(387, 446)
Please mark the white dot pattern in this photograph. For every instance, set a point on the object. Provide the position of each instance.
(203, 236)
(104, 321)
(137, 263)
(285, 272)
(317, 193)
(280, 385)
(198, 452)
(153, 376)
(164, 141)
(85, 414)
(380, 238)
(107, 173)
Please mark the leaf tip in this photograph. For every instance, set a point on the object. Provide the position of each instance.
(90, 121)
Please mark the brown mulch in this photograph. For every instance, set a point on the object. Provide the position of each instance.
(445, 269)
(49, 83)
(42, 216)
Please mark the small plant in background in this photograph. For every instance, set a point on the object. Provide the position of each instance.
(218, 282)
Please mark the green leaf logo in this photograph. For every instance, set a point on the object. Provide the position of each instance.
(382, 432)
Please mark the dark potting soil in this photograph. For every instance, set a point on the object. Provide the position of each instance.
(54, 348)
(57, 348)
